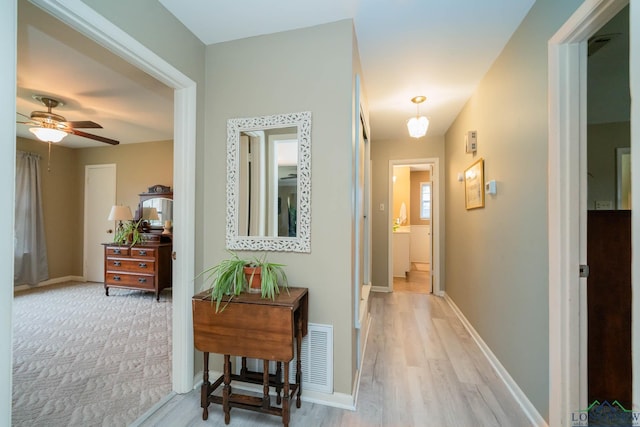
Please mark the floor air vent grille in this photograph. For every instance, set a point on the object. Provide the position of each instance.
(317, 360)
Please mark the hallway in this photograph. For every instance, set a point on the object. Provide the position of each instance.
(421, 368)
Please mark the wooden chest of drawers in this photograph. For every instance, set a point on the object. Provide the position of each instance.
(145, 267)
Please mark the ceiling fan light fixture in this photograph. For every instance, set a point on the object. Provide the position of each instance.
(48, 134)
(418, 125)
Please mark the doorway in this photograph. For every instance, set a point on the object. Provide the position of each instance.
(608, 216)
(413, 225)
(567, 206)
(87, 21)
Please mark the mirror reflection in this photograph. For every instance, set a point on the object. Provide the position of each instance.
(157, 211)
(269, 182)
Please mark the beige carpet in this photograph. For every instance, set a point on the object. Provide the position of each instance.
(84, 359)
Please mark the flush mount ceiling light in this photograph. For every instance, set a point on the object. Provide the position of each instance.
(418, 125)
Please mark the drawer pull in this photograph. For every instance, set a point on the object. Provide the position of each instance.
(142, 265)
(116, 251)
(117, 263)
(142, 280)
(116, 278)
(142, 253)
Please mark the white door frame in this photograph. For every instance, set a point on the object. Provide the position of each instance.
(84, 19)
(435, 220)
(567, 181)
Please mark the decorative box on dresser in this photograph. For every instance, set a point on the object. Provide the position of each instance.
(144, 266)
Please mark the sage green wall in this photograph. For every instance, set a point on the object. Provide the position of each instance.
(382, 151)
(138, 166)
(302, 70)
(497, 257)
(602, 141)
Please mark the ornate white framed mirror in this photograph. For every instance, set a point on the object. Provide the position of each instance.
(269, 183)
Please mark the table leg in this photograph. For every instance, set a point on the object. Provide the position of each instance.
(265, 384)
(285, 396)
(204, 389)
(278, 386)
(226, 391)
(298, 361)
(243, 369)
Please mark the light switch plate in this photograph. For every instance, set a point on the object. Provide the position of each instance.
(471, 141)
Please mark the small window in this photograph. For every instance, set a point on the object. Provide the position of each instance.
(425, 200)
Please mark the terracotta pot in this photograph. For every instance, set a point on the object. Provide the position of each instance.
(254, 278)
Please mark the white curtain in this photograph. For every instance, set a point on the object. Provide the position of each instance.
(30, 249)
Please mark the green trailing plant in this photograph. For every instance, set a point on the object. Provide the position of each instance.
(225, 278)
(228, 278)
(129, 232)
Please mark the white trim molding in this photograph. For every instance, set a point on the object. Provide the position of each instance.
(527, 407)
(566, 232)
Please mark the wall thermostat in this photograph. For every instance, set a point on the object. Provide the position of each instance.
(471, 141)
(490, 187)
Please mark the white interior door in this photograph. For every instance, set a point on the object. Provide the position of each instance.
(99, 197)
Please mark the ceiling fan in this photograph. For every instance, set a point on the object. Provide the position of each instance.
(51, 127)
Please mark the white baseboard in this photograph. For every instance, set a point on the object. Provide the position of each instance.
(50, 282)
(523, 401)
(380, 289)
(356, 383)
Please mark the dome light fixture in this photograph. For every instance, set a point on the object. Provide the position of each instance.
(418, 125)
(48, 134)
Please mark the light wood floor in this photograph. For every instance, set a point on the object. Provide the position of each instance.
(421, 368)
(416, 280)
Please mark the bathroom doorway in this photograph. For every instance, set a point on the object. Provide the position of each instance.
(411, 210)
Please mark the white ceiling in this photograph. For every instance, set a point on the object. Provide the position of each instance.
(436, 48)
(440, 49)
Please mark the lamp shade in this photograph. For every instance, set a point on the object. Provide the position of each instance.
(48, 134)
(150, 214)
(418, 126)
(120, 213)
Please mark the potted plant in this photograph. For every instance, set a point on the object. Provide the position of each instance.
(265, 277)
(129, 233)
(233, 275)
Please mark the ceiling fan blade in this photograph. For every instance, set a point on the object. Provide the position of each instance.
(95, 137)
(85, 124)
(24, 115)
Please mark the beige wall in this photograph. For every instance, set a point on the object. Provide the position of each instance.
(138, 166)
(402, 193)
(602, 141)
(497, 257)
(417, 178)
(303, 70)
(383, 151)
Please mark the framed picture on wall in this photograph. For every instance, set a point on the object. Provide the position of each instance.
(474, 185)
